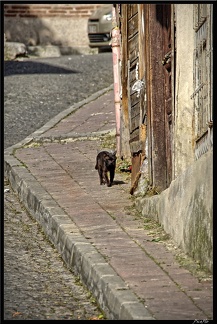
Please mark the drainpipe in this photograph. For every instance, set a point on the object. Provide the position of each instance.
(116, 58)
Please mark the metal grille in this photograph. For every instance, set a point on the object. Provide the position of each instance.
(204, 144)
(202, 95)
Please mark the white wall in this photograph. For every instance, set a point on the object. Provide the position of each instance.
(183, 131)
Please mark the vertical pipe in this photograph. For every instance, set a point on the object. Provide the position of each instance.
(116, 59)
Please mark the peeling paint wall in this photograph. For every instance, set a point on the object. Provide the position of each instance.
(184, 109)
(185, 210)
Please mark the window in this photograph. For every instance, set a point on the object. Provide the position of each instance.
(202, 96)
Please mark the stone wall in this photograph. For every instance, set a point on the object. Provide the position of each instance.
(63, 26)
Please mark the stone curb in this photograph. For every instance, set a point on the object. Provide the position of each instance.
(113, 295)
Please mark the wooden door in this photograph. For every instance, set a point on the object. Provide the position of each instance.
(158, 44)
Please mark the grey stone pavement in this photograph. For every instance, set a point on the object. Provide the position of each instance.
(125, 260)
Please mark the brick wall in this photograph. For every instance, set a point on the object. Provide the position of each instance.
(49, 10)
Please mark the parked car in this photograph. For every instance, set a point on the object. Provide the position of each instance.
(100, 26)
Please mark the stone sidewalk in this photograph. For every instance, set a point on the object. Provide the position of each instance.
(133, 274)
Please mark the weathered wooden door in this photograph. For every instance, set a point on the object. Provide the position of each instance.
(158, 44)
(131, 100)
(146, 88)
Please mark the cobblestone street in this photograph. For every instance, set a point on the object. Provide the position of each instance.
(37, 284)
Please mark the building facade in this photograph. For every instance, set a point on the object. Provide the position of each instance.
(166, 101)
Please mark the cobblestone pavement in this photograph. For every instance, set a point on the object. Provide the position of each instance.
(37, 284)
(35, 90)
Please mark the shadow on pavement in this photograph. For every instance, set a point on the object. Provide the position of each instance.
(30, 67)
(117, 182)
